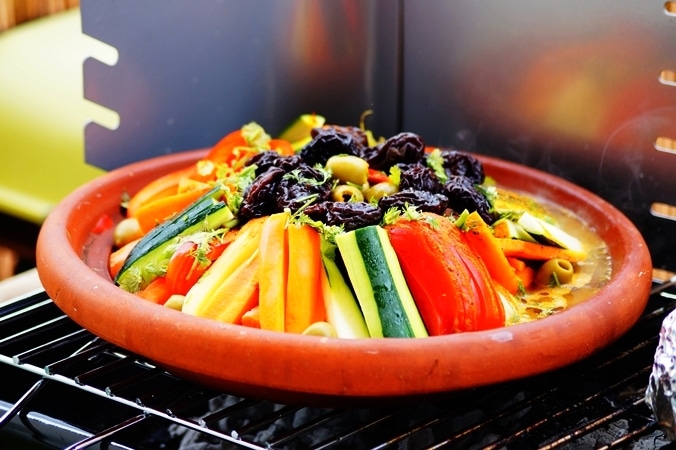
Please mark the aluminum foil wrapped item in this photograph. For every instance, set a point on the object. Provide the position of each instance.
(661, 392)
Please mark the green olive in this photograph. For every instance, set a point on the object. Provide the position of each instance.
(348, 169)
(126, 231)
(555, 272)
(380, 190)
(347, 193)
(322, 329)
(175, 302)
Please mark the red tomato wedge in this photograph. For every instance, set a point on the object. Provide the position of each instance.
(450, 285)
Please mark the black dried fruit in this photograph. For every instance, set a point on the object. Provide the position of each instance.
(462, 194)
(357, 133)
(403, 148)
(328, 142)
(270, 158)
(422, 200)
(351, 215)
(302, 186)
(418, 177)
(457, 163)
(258, 199)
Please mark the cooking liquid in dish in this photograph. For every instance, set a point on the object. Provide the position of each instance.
(590, 274)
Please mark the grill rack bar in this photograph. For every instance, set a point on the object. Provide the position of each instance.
(598, 400)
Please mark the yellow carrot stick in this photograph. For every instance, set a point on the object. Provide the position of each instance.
(273, 272)
(238, 251)
(304, 301)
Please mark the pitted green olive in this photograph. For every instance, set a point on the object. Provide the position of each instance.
(126, 231)
(322, 329)
(380, 190)
(347, 193)
(175, 302)
(348, 169)
(555, 272)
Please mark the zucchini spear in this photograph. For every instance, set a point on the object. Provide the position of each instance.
(149, 258)
(378, 281)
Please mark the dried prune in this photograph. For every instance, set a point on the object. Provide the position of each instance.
(462, 194)
(270, 158)
(463, 164)
(351, 215)
(403, 148)
(258, 199)
(419, 178)
(422, 200)
(357, 134)
(328, 142)
(302, 186)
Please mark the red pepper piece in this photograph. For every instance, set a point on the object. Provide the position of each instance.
(376, 176)
(104, 223)
(184, 268)
(224, 150)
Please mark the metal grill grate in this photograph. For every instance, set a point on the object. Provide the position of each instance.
(66, 388)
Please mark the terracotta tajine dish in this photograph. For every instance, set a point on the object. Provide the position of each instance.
(308, 369)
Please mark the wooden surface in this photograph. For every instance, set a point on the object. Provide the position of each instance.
(15, 12)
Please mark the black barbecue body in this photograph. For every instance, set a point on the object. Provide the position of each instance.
(63, 387)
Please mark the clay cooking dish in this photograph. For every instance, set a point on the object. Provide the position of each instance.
(71, 262)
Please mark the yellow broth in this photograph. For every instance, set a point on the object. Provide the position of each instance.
(590, 274)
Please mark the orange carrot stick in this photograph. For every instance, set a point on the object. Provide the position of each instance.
(157, 291)
(530, 250)
(481, 240)
(273, 272)
(304, 300)
(501, 229)
(158, 188)
(525, 273)
(157, 211)
(238, 294)
(117, 257)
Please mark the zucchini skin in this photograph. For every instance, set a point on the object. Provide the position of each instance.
(392, 315)
(386, 302)
(151, 249)
(342, 310)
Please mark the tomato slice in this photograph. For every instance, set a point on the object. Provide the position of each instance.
(451, 288)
